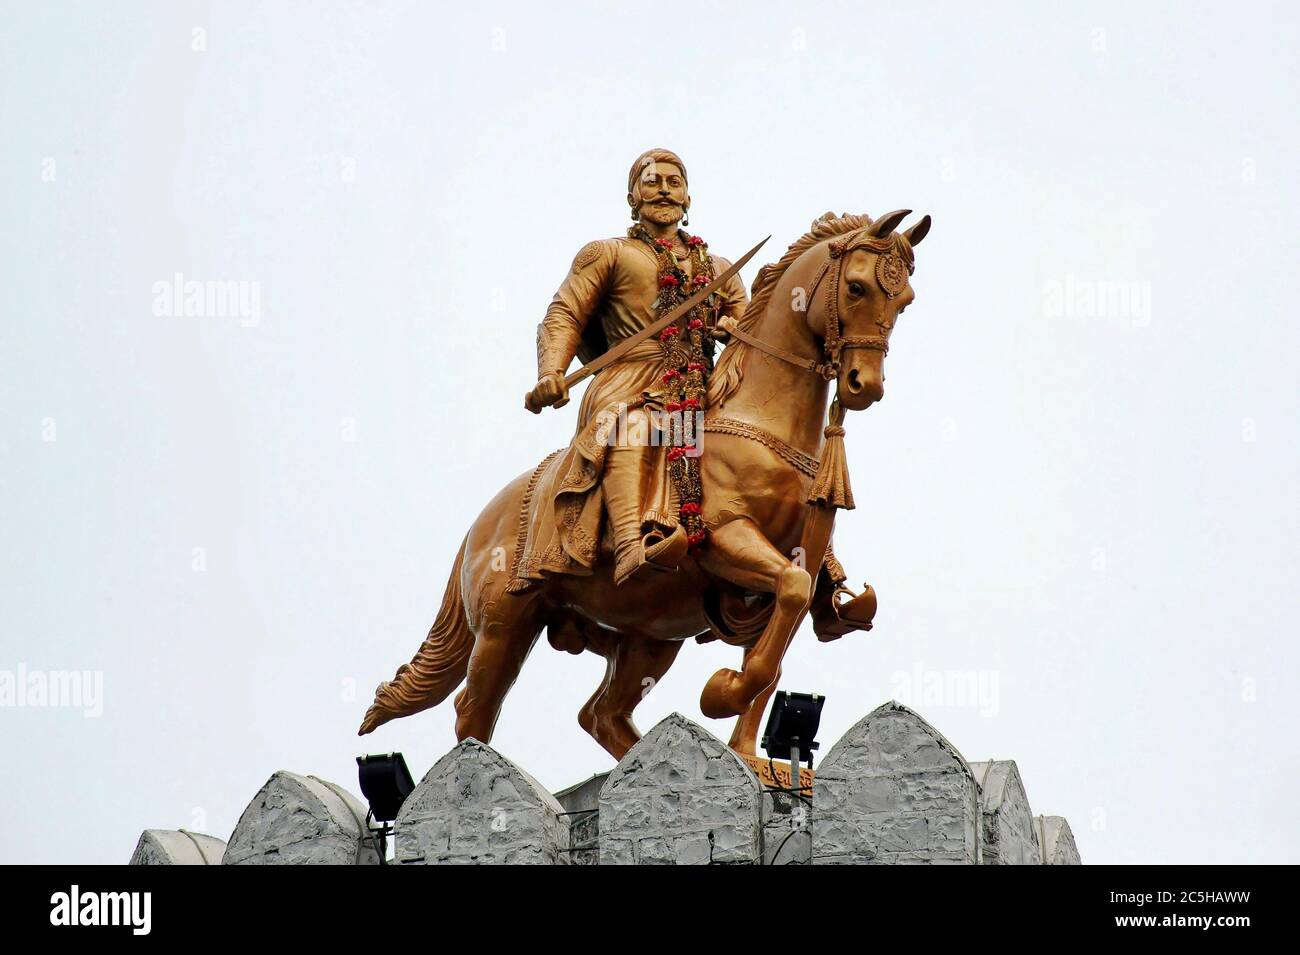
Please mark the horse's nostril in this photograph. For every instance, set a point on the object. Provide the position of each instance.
(854, 384)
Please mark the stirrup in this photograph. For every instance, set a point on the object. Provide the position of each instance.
(854, 613)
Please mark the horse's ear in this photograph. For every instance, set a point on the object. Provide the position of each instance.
(919, 231)
(888, 222)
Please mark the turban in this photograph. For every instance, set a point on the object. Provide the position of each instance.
(647, 158)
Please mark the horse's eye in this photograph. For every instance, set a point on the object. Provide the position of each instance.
(855, 288)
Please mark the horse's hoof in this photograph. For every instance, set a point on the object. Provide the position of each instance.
(721, 696)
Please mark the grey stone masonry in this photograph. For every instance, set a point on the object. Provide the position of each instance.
(475, 807)
(787, 829)
(1008, 833)
(301, 820)
(177, 847)
(680, 797)
(893, 790)
(581, 810)
(1057, 840)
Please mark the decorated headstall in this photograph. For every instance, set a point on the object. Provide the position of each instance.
(892, 270)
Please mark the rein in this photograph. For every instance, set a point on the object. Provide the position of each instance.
(830, 488)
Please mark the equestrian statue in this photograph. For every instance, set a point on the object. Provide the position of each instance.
(698, 496)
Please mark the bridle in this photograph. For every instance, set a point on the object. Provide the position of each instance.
(830, 477)
(891, 272)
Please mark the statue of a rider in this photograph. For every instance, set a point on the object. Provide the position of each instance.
(644, 311)
(648, 487)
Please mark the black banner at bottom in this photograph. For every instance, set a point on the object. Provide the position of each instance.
(179, 903)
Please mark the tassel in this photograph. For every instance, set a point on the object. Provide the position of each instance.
(831, 485)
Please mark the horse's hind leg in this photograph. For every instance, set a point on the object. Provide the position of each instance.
(631, 670)
(506, 630)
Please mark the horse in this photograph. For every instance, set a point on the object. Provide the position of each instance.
(772, 472)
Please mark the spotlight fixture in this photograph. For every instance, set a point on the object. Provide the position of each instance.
(792, 729)
(385, 782)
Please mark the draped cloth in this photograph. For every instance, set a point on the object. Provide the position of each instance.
(610, 289)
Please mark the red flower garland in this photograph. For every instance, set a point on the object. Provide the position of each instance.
(686, 377)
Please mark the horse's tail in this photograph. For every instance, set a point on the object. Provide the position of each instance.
(437, 669)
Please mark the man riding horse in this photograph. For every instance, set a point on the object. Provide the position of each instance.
(583, 529)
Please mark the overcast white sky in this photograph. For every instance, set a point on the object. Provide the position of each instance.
(1085, 504)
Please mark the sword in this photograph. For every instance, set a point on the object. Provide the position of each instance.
(534, 403)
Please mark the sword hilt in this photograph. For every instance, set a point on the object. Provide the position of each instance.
(534, 403)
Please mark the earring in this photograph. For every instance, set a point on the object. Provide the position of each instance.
(686, 216)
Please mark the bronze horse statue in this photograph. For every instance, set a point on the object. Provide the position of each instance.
(772, 477)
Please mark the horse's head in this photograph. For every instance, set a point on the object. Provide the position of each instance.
(857, 297)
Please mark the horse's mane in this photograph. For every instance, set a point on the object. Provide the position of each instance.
(727, 373)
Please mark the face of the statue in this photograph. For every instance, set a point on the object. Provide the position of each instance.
(661, 191)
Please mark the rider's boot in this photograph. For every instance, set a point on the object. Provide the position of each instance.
(634, 550)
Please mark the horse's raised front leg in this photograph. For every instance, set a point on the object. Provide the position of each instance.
(744, 738)
(739, 552)
(631, 671)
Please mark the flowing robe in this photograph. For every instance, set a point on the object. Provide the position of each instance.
(610, 291)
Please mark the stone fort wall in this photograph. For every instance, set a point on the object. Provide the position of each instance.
(891, 791)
